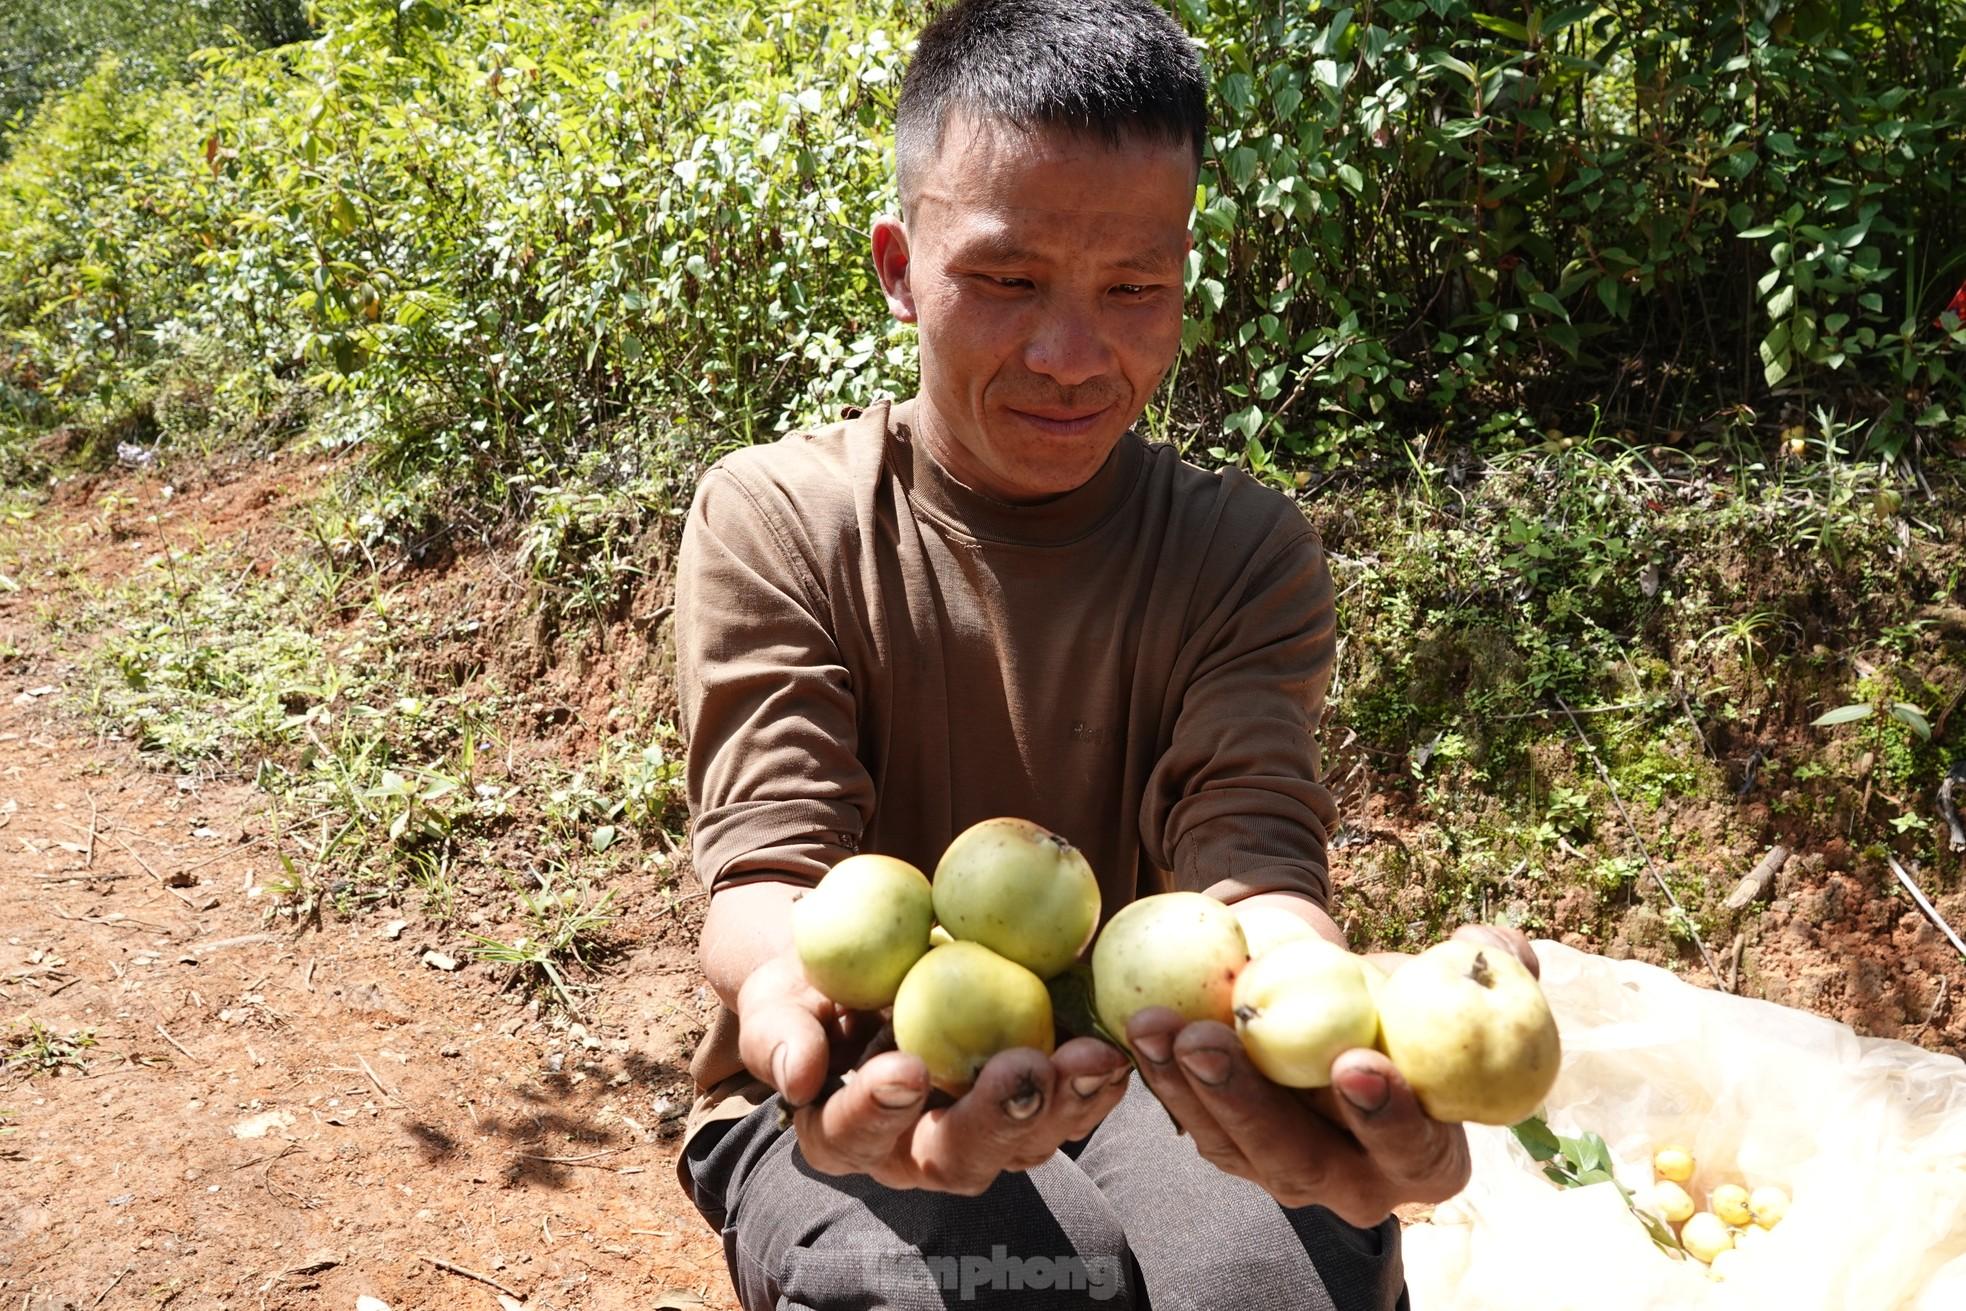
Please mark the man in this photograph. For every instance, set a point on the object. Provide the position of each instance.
(995, 599)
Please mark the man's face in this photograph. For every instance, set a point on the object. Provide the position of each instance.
(1044, 271)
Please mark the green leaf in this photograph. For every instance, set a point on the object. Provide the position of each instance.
(1765, 230)
(1507, 27)
(1549, 304)
(1441, 59)
(1536, 1138)
(1353, 180)
(1842, 715)
(1782, 302)
(1914, 718)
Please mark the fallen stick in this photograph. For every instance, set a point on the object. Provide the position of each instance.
(468, 1273)
(1931, 912)
(175, 1043)
(1757, 881)
(588, 1159)
(112, 1283)
(377, 1082)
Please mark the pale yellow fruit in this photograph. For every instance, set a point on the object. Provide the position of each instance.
(1705, 1236)
(1730, 1203)
(1181, 950)
(1670, 1202)
(1674, 1163)
(861, 929)
(1749, 1238)
(1020, 890)
(939, 937)
(1723, 1265)
(962, 1004)
(1298, 1006)
(1767, 1205)
(1264, 927)
(1468, 1027)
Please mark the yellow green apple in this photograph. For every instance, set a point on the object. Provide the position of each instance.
(860, 930)
(1020, 890)
(1181, 950)
(1469, 1029)
(961, 1004)
(1300, 1004)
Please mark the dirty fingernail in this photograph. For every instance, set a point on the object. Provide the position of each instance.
(1210, 1067)
(1153, 1046)
(1026, 1102)
(1367, 1090)
(1087, 1084)
(897, 1096)
(778, 1068)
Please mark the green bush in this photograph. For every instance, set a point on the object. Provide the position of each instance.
(1419, 212)
(510, 234)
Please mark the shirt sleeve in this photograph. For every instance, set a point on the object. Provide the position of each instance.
(1236, 805)
(775, 785)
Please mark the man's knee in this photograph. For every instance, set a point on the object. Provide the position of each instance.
(797, 1237)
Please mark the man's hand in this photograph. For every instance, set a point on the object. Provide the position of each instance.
(1359, 1148)
(1022, 1107)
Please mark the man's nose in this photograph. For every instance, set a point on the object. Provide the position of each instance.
(1069, 347)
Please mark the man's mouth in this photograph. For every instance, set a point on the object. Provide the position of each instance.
(1062, 422)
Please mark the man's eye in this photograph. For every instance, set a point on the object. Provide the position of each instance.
(1017, 284)
(1131, 289)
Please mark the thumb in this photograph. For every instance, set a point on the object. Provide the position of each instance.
(1426, 1158)
(781, 1034)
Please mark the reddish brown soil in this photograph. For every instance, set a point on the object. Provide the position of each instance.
(280, 1116)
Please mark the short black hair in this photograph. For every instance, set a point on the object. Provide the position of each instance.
(1114, 69)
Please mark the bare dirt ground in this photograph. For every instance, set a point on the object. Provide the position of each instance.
(275, 1116)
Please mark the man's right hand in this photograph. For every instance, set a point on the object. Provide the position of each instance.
(1023, 1106)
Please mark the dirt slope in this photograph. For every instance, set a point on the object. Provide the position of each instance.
(279, 1115)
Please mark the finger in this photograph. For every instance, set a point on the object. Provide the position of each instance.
(862, 1126)
(1298, 1155)
(999, 1124)
(1513, 941)
(1153, 1033)
(1421, 1158)
(782, 1034)
(1090, 1075)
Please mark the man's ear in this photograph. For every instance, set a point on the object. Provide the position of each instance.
(891, 265)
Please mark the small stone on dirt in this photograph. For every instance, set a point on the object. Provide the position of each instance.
(450, 1049)
(260, 1125)
(394, 929)
(437, 960)
(367, 1303)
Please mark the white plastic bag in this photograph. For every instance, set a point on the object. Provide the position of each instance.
(1868, 1136)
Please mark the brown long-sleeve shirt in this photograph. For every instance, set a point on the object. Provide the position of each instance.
(873, 657)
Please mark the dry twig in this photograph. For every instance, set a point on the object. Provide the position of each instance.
(377, 1082)
(1931, 912)
(175, 1043)
(481, 1277)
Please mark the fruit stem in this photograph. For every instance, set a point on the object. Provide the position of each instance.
(1480, 972)
(1246, 1013)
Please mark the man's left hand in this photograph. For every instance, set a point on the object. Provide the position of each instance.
(1359, 1148)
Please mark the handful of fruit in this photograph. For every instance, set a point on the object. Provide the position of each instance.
(962, 962)
(965, 961)
(1465, 1024)
(1735, 1221)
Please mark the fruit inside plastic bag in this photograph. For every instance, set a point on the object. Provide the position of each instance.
(1866, 1136)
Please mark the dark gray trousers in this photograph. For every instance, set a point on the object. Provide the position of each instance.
(1130, 1216)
